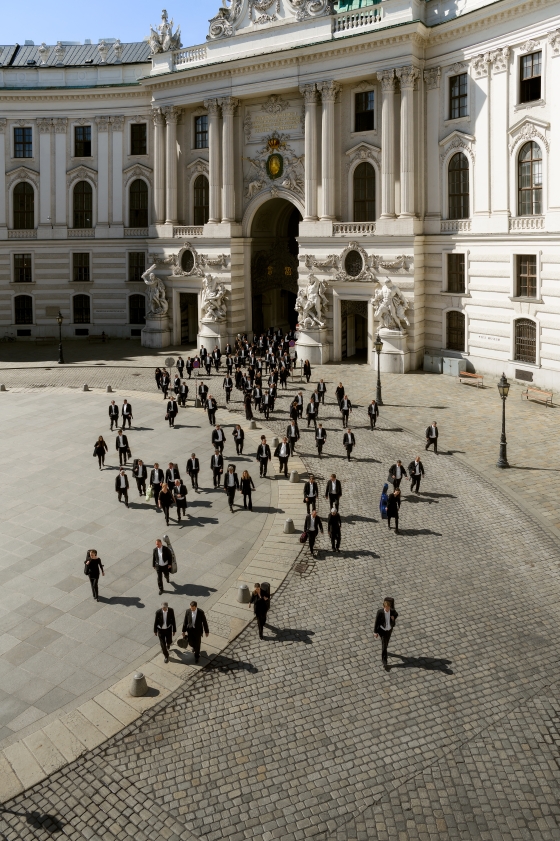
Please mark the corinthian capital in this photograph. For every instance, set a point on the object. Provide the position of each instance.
(171, 113)
(102, 123)
(45, 125)
(60, 125)
(309, 93)
(157, 117)
(329, 91)
(431, 78)
(117, 123)
(480, 65)
(3, 122)
(500, 60)
(407, 76)
(387, 79)
(228, 105)
(212, 106)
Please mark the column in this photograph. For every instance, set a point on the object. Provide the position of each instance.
(172, 116)
(214, 167)
(329, 92)
(309, 93)
(60, 189)
(407, 76)
(45, 126)
(499, 115)
(3, 195)
(228, 104)
(431, 81)
(387, 79)
(480, 68)
(159, 165)
(102, 170)
(117, 125)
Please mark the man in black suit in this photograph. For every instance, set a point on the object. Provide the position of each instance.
(349, 442)
(165, 380)
(140, 473)
(282, 453)
(396, 473)
(194, 625)
(165, 628)
(292, 433)
(217, 467)
(313, 525)
(299, 401)
(171, 474)
(172, 410)
(239, 437)
(311, 493)
(432, 434)
(121, 485)
(211, 407)
(180, 365)
(263, 456)
(257, 397)
(217, 358)
(180, 497)
(161, 562)
(334, 525)
(346, 409)
(312, 413)
(231, 485)
(156, 481)
(373, 413)
(202, 394)
(339, 393)
(320, 439)
(126, 414)
(227, 385)
(193, 469)
(333, 491)
(416, 471)
(183, 394)
(266, 404)
(121, 446)
(114, 414)
(218, 438)
(321, 391)
(384, 624)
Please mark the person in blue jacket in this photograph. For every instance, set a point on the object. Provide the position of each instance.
(384, 501)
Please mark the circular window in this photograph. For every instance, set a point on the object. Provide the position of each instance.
(187, 261)
(353, 263)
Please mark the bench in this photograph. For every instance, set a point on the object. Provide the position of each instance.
(538, 395)
(465, 375)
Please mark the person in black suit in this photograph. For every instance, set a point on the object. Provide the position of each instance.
(227, 385)
(396, 473)
(165, 382)
(180, 366)
(261, 604)
(171, 474)
(299, 400)
(140, 473)
(432, 434)
(373, 413)
(333, 491)
(384, 624)
(263, 456)
(194, 625)
(292, 433)
(180, 497)
(193, 469)
(393, 508)
(334, 527)
(94, 566)
(203, 394)
(211, 407)
(321, 391)
(320, 439)
(156, 480)
(339, 393)
(183, 394)
(248, 403)
(313, 525)
(121, 446)
(349, 442)
(172, 410)
(161, 562)
(165, 500)
(121, 485)
(247, 486)
(113, 414)
(311, 493)
(165, 628)
(307, 370)
(415, 471)
(217, 467)
(346, 409)
(282, 453)
(312, 413)
(158, 376)
(218, 438)
(231, 485)
(126, 414)
(239, 437)
(267, 404)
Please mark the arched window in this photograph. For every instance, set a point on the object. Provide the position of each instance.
(455, 331)
(82, 312)
(24, 206)
(529, 179)
(459, 187)
(525, 340)
(137, 309)
(138, 204)
(83, 205)
(201, 201)
(23, 309)
(364, 193)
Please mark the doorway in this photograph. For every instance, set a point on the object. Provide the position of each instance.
(188, 302)
(354, 330)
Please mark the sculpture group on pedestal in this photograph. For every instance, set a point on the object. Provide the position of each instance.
(391, 306)
(213, 300)
(311, 303)
(161, 37)
(157, 300)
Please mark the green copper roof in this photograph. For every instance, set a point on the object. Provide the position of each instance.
(352, 5)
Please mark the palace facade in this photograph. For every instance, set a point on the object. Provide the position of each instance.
(350, 141)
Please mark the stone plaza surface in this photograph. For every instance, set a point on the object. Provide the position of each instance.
(304, 735)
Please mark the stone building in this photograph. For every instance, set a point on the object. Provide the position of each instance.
(306, 143)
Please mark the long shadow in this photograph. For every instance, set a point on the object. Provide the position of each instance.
(549, 469)
(186, 426)
(389, 428)
(451, 452)
(418, 532)
(37, 820)
(140, 505)
(127, 601)
(290, 635)
(437, 495)
(227, 664)
(201, 521)
(265, 509)
(353, 553)
(358, 518)
(199, 503)
(430, 664)
(142, 429)
(192, 590)
(416, 499)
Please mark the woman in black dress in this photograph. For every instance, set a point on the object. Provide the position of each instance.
(307, 369)
(165, 500)
(99, 450)
(247, 485)
(94, 566)
(158, 378)
(393, 508)
(248, 406)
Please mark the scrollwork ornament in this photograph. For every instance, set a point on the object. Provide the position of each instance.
(223, 24)
(432, 78)
(554, 41)
(305, 9)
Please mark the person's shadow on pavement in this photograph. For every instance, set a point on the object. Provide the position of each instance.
(289, 635)
(430, 664)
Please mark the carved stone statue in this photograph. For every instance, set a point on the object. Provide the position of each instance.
(311, 303)
(213, 300)
(158, 303)
(161, 37)
(391, 306)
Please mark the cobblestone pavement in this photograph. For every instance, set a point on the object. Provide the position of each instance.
(304, 735)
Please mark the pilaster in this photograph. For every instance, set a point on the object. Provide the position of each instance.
(499, 199)
(214, 166)
(480, 69)
(172, 117)
(60, 188)
(309, 93)
(329, 92)
(387, 79)
(45, 127)
(407, 77)
(228, 105)
(433, 192)
(103, 171)
(117, 126)
(3, 194)
(159, 165)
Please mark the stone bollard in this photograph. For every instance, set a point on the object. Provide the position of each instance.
(294, 476)
(109, 390)
(197, 403)
(274, 444)
(2, 387)
(139, 685)
(85, 388)
(289, 526)
(253, 424)
(243, 594)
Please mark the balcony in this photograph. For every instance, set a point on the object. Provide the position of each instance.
(136, 232)
(526, 223)
(350, 22)
(188, 231)
(355, 229)
(192, 55)
(456, 226)
(81, 233)
(23, 233)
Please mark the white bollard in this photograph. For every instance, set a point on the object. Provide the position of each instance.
(289, 526)
(253, 424)
(139, 685)
(243, 594)
(275, 443)
(294, 476)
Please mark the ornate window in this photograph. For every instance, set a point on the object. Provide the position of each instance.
(526, 276)
(525, 341)
(201, 132)
(137, 309)
(201, 201)
(364, 111)
(529, 179)
(364, 193)
(24, 206)
(455, 332)
(82, 142)
(353, 263)
(530, 77)
(83, 205)
(456, 273)
(187, 261)
(136, 265)
(459, 187)
(82, 310)
(23, 309)
(138, 139)
(80, 267)
(458, 96)
(22, 268)
(138, 204)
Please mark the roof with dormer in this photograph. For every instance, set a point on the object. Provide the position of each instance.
(74, 55)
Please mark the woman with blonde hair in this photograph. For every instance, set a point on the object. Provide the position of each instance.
(247, 485)
(165, 501)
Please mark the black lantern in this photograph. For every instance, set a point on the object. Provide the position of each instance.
(60, 319)
(378, 349)
(503, 388)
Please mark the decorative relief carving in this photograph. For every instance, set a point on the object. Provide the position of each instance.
(364, 152)
(407, 77)
(329, 90)
(432, 77)
(365, 86)
(81, 173)
(157, 117)
(117, 123)
(311, 304)
(60, 125)
(458, 67)
(171, 113)
(275, 104)
(554, 41)
(337, 262)
(364, 275)
(45, 125)
(331, 262)
(457, 141)
(223, 24)
(102, 123)
(391, 306)
(3, 122)
(480, 65)
(162, 39)
(500, 60)
(388, 80)
(213, 306)
(530, 46)
(305, 9)
(23, 173)
(399, 264)
(212, 106)
(309, 93)
(276, 161)
(528, 131)
(228, 105)
(196, 168)
(137, 171)
(265, 11)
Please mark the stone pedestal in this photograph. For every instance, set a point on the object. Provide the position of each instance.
(212, 333)
(312, 344)
(157, 332)
(395, 358)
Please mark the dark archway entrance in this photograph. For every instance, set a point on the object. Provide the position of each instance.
(274, 265)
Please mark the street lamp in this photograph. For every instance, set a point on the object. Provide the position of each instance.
(60, 319)
(503, 388)
(378, 349)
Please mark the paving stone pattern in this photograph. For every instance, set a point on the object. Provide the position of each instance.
(304, 735)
